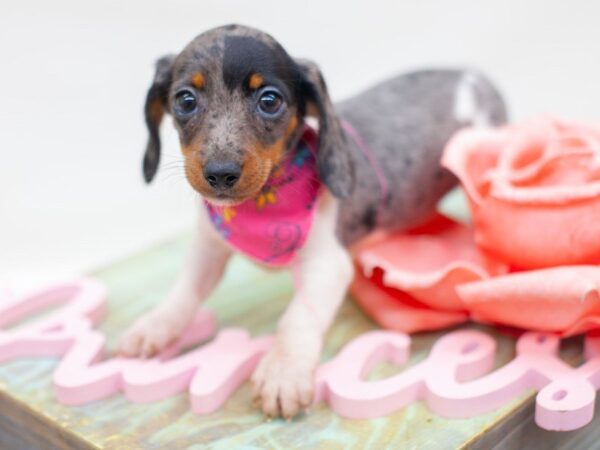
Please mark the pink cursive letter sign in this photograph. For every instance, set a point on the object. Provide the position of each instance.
(454, 381)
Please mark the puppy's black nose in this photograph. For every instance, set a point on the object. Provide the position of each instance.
(222, 175)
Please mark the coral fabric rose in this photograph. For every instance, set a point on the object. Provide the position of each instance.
(534, 191)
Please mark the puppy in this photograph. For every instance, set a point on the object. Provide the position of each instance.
(275, 190)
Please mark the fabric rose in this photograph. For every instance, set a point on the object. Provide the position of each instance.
(530, 258)
(534, 191)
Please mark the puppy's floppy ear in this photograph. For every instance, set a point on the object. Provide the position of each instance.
(334, 160)
(154, 109)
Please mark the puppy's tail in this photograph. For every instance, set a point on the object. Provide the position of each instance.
(478, 102)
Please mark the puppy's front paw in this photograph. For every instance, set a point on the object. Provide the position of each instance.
(283, 384)
(150, 335)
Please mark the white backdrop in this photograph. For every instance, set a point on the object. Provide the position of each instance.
(73, 76)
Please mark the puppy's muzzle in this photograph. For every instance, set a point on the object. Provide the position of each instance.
(222, 175)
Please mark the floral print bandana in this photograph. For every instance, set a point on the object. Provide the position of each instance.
(274, 225)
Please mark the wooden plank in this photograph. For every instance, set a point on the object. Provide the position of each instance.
(519, 431)
(23, 428)
(253, 299)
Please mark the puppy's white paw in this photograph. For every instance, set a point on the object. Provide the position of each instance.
(283, 384)
(150, 334)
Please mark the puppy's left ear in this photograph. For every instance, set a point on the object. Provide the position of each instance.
(336, 167)
(154, 110)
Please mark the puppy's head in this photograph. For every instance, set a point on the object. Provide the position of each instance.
(238, 101)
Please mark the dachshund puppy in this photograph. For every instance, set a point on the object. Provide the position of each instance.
(275, 190)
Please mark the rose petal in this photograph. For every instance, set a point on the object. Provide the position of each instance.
(562, 299)
(472, 155)
(430, 262)
(549, 162)
(540, 236)
(397, 311)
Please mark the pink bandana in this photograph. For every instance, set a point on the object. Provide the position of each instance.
(273, 226)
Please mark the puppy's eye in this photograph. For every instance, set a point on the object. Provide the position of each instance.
(185, 103)
(270, 103)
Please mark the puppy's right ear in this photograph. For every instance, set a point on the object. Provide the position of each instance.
(154, 109)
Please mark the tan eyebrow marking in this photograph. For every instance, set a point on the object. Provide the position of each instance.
(198, 80)
(255, 81)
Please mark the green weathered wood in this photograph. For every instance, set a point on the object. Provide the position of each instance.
(248, 297)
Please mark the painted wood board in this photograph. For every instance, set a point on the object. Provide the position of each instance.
(251, 298)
